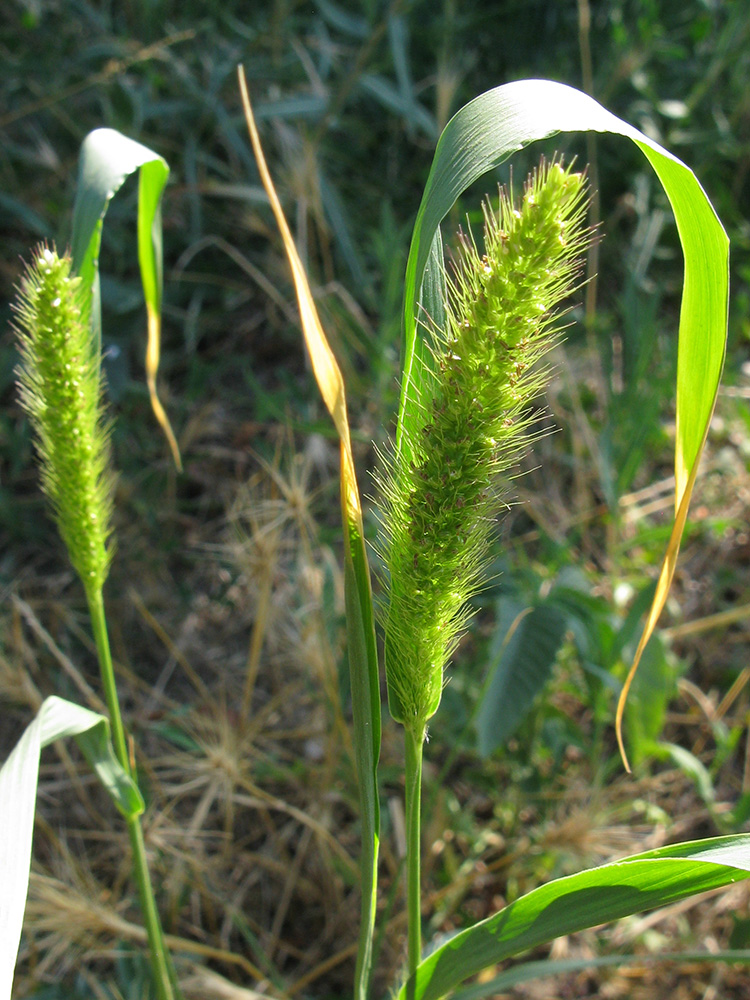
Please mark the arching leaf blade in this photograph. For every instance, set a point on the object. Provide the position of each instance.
(703, 310)
(151, 182)
(486, 132)
(587, 899)
(107, 159)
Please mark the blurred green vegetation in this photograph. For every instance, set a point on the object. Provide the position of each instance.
(351, 98)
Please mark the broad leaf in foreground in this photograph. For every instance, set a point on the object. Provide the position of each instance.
(56, 719)
(566, 905)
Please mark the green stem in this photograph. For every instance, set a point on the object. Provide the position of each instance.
(161, 966)
(414, 742)
(107, 672)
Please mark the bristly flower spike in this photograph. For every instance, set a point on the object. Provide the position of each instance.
(439, 504)
(61, 390)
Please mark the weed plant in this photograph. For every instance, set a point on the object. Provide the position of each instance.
(221, 742)
(61, 389)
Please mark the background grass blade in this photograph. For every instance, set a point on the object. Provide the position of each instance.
(107, 160)
(527, 971)
(521, 667)
(586, 899)
(483, 134)
(56, 719)
(359, 612)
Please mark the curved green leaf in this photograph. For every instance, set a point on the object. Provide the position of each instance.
(18, 783)
(107, 160)
(642, 882)
(483, 134)
(526, 971)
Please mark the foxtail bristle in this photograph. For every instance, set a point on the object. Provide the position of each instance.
(439, 504)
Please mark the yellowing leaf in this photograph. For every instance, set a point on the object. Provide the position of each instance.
(363, 663)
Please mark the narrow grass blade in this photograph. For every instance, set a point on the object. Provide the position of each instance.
(18, 783)
(643, 882)
(359, 612)
(107, 160)
(527, 971)
(483, 134)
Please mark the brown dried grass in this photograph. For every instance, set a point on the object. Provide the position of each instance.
(230, 660)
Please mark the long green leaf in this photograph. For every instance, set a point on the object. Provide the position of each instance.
(527, 971)
(483, 134)
(107, 160)
(18, 783)
(642, 882)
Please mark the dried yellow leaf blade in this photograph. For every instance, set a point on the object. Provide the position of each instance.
(362, 649)
(666, 575)
(325, 367)
(152, 368)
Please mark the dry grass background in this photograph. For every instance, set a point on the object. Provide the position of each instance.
(230, 661)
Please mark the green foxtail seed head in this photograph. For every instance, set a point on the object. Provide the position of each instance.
(61, 388)
(443, 490)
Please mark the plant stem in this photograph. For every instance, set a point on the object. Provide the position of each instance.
(160, 960)
(161, 966)
(414, 745)
(106, 670)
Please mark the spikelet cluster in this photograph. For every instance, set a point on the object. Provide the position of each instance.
(61, 390)
(442, 492)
